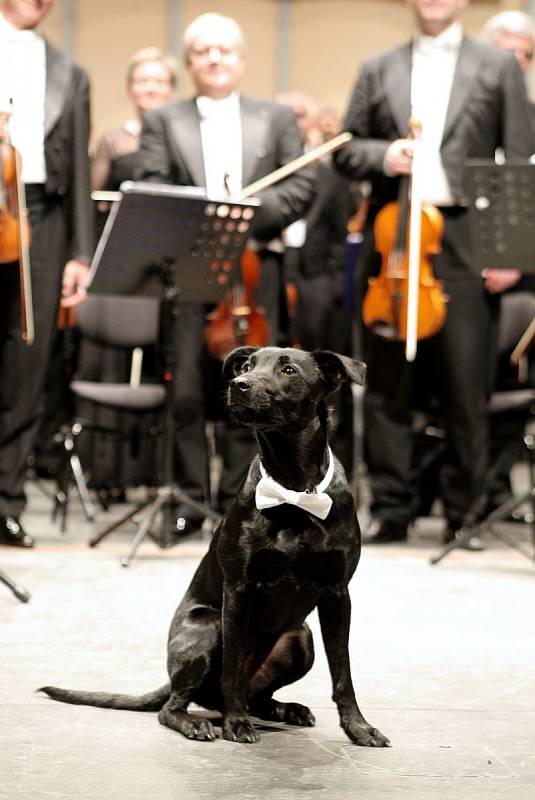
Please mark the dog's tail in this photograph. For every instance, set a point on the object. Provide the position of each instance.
(152, 701)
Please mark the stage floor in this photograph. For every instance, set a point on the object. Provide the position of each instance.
(442, 662)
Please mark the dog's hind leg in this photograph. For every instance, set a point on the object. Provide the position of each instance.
(290, 658)
(193, 648)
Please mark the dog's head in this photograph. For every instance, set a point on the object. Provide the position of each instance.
(282, 388)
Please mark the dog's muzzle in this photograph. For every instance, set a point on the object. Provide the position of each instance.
(245, 393)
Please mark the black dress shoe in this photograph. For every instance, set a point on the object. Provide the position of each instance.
(13, 534)
(383, 532)
(473, 543)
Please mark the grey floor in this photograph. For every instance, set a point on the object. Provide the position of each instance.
(443, 661)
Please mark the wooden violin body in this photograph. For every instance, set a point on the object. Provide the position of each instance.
(14, 225)
(385, 304)
(238, 320)
(11, 219)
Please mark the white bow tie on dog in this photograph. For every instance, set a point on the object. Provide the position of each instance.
(269, 493)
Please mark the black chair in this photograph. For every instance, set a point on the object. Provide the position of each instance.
(517, 315)
(125, 324)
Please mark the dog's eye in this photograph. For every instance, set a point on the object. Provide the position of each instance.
(288, 370)
(245, 368)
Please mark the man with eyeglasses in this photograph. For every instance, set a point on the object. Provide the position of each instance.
(223, 141)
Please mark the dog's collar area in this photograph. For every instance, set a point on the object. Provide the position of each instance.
(316, 501)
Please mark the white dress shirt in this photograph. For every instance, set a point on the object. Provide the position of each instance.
(22, 89)
(221, 136)
(434, 59)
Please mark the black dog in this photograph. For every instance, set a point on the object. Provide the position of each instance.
(240, 634)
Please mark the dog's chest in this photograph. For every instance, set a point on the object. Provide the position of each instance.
(299, 560)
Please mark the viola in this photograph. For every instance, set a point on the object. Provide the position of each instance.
(385, 307)
(14, 225)
(238, 320)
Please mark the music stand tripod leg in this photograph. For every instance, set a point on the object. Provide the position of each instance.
(453, 545)
(146, 526)
(19, 591)
(95, 540)
(170, 493)
(81, 485)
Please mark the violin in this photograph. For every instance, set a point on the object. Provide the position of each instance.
(14, 225)
(238, 320)
(387, 304)
(292, 300)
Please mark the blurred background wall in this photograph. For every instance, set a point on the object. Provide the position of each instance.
(312, 45)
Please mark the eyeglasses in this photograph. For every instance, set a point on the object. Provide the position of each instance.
(208, 53)
(160, 82)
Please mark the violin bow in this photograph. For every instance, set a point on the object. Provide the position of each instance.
(415, 232)
(27, 330)
(519, 356)
(298, 163)
(268, 180)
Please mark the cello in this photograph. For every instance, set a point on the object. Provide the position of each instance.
(14, 225)
(405, 302)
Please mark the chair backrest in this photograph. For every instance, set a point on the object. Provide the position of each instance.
(517, 312)
(120, 321)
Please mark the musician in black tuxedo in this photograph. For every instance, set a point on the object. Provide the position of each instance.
(196, 142)
(471, 99)
(49, 126)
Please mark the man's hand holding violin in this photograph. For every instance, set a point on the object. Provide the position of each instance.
(398, 161)
(398, 157)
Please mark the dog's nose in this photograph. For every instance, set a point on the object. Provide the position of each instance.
(241, 385)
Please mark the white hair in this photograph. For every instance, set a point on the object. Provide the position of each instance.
(207, 23)
(516, 22)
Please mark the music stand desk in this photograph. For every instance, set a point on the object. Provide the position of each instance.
(181, 246)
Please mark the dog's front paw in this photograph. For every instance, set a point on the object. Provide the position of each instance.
(239, 729)
(201, 730)
(365, 735)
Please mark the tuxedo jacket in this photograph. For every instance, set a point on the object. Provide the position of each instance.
(67, 122)
(171, 152)
(488, 108)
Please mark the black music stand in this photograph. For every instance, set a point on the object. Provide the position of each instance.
(176, 244)
(502, 229)
(502, 214)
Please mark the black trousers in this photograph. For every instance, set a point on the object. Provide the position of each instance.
(455, 366)
(198, 386)
(23, 368)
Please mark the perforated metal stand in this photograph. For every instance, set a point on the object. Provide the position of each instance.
(501, 513)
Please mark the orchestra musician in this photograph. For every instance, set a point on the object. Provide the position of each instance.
(49, 126)
(470, 99)
(197, 142)
(151, 79)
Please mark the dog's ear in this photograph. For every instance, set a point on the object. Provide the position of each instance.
(336, 368)
(234, 361)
